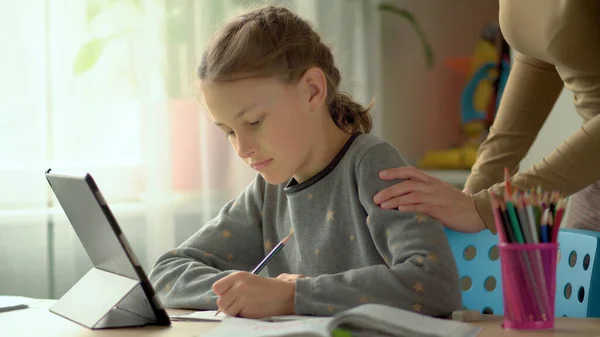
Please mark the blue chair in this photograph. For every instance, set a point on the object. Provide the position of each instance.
(578, 274)
(577, 279)
(478, 261)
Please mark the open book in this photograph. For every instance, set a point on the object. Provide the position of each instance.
(364, 320)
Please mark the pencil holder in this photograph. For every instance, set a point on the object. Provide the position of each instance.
(528, 284)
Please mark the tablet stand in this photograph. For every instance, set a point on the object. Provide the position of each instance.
(101, 299)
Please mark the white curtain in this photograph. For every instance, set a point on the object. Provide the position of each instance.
(124, 110)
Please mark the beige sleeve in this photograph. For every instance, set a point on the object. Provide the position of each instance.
(530, 93)
(574, 165)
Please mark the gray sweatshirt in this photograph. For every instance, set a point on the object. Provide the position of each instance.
(351, 251)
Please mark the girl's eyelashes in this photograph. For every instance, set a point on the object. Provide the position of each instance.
(251, 124)
(257, 123)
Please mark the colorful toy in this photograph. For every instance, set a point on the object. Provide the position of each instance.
(487, 71)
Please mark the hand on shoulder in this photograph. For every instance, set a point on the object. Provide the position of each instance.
(420, 192)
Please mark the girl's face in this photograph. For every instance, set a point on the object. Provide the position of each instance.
(270, 124)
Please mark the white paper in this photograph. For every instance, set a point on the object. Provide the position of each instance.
(207, 315)
(8, 303)
(234, 326)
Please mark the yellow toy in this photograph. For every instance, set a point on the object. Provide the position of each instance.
(477, 110)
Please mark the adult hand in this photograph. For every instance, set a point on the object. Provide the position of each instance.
(252, 296)
(289, 277)
(423, 193)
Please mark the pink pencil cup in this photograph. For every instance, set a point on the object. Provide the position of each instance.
(528, 285)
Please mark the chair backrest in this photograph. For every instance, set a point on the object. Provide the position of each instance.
(478, 260)
(577, 276)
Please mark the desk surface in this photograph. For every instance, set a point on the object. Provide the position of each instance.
(37, 321)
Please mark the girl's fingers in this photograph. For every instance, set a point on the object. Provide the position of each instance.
(234, 308)
(224, 302)
(223, 285)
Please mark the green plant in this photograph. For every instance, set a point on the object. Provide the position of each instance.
(90, 52)
(88, 55)
(405, 14)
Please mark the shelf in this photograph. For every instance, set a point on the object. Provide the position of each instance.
(454, 177)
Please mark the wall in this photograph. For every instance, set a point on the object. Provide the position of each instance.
(562, 122)
(420, 106)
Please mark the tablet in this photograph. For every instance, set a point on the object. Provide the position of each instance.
(116, 292)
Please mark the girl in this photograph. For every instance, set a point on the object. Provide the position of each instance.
(271, 85)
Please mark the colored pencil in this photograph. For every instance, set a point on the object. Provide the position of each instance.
(544, 225)
(514, 221)
(559, 215)
(507, 184)
(523, 220)
(498, 218)
(534, 226)
(510, 236)
(549, 226)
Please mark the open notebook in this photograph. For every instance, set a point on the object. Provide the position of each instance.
(364, 320)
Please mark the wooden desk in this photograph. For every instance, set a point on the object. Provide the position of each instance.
(37, 321)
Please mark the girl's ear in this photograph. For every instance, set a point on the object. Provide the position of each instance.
(315, 86)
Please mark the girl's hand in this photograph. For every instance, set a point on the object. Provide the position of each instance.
(252, 296)
(289, 277)
(423, 193)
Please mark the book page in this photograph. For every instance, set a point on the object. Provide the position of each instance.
(209, 315)
(233, 326)
(398, 322)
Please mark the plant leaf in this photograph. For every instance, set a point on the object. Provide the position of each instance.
(89, 54)
(93, 8)
(415, 24)
(138, 4)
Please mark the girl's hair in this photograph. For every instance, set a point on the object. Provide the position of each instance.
(273, 41)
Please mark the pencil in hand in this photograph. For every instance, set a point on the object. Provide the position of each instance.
(268, 258)
(272, 253)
